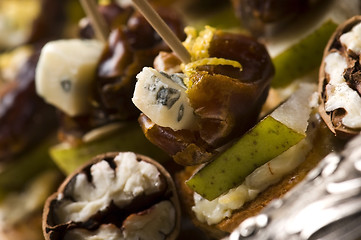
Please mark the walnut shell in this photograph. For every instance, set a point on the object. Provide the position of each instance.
(125, 211)
(333, 119)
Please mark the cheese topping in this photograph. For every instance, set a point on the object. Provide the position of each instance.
(120, 186)
(296, 120)
(339, 94)
(162, 97)
(65, 74)
(352, 39)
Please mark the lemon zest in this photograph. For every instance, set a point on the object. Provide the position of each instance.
(198, 43)
(190, 68)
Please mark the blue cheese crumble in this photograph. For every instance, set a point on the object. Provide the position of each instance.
(162, 97)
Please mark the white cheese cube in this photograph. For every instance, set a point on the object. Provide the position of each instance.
(162, 97)
(65, 73)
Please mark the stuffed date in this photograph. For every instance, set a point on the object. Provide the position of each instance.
(225, 86)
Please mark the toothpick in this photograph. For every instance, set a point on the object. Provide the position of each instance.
(162, 29)
(98, 22)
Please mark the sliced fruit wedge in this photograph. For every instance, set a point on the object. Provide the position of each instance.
(299, 50)
(302, 57)
(127, 138)
(273, 135)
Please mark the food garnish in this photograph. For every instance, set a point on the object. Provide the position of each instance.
(218, 83)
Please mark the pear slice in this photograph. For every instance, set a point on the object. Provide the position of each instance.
(127, 138)
(299, 50)
(273, 135)
(302, 57)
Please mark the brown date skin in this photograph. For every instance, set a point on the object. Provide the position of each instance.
(252, 55)
(25, 118)
(130, 49)
(186, 147)
(226, 101)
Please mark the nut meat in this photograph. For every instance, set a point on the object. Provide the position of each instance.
(340, 80)
(116, 196)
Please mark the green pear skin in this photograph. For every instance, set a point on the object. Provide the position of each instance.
(266, 140)
(129, 138)
(303, 57)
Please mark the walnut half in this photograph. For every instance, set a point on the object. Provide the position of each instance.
(340, 80)
(115, 196)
